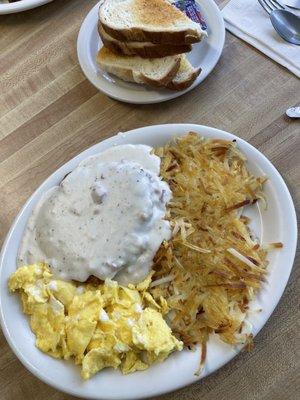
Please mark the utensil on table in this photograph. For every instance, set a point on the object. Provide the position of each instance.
(292, 3)
(293, 112)
(286, 23)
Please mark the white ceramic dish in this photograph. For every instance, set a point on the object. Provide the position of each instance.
(21, 5)
(277, 223)
(205, 54)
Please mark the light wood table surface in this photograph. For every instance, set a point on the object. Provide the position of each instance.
(49, 112)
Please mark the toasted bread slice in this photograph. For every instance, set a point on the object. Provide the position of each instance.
(155, 21)
(185, 76)
(153, 72)
(173, 72)
(142, 49)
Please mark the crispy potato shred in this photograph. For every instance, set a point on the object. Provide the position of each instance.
(213, 266)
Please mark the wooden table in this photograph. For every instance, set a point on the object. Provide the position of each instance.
(49, 112)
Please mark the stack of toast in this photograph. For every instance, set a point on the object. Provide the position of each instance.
(145, 42)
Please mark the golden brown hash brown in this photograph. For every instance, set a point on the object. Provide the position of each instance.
(212, 267)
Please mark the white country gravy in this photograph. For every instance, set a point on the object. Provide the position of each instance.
(104, 219)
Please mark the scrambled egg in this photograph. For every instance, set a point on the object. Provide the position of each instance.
(99, 326)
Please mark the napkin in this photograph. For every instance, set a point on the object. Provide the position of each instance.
(247, 20)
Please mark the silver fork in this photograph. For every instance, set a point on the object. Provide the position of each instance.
(286, 23)
(271, 5)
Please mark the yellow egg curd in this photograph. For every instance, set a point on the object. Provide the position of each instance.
(97, 325)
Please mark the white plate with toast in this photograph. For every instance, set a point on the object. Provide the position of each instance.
(22, 5)
(275, 223)
(204, 55)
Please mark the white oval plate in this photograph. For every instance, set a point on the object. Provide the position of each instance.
(278, 222)
(21, 5)
(205, 54)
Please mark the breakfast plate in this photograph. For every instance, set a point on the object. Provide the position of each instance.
(22, 5)
(276, 223)
(204, 54)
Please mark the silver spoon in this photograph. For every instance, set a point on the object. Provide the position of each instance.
(292, 3)
(287, 25)
(293, 112)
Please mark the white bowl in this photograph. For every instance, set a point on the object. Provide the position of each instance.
(204, 54)
(277, 223)
(21, 5)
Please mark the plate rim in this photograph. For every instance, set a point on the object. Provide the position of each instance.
(83, 154)
(21, 6)
(81, 55)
